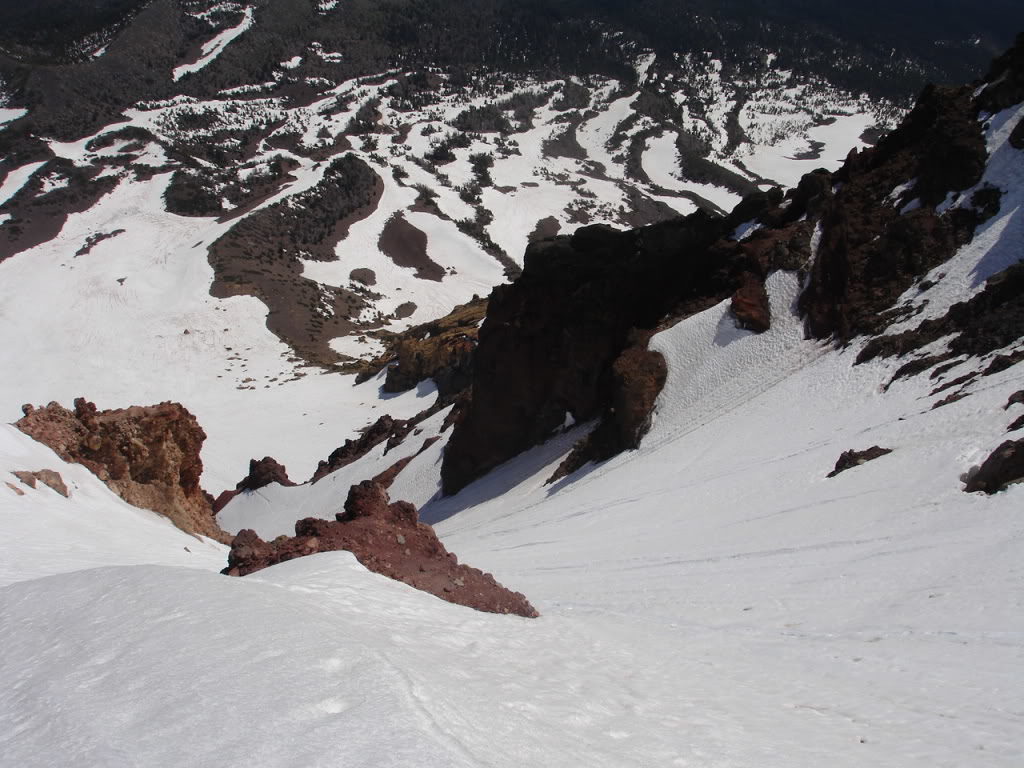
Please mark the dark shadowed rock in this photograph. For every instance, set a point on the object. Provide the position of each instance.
(750, 305)
(551, 339)
(1003, 467)
(870, 250)
(262, 473)
(149, 456)
(387, 538)
(851, 459)
(382, 429)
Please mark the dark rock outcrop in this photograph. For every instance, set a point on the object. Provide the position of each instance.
(149, 456)
(388, 539)
(441, 350)
(1004, 466)
(873, 247)
(384, 428)
(850, 459)
(262, 473)
(988, 321)
(750, 305)
(47, 477)
(551, 340)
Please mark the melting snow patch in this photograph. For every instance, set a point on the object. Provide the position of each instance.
(213, 48)
(16, 180)
(8, 115)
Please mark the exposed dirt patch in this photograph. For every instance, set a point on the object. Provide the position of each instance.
(363, 275)
(93, 240)
(260, 256)
(406, 246)
(38, 217)
(545, 229)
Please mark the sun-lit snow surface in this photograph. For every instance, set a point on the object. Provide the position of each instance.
(45, 533)
(708, 600)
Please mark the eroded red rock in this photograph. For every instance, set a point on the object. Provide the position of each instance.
(388, 539)
(149, 456)
(262, 472)
(47, 477)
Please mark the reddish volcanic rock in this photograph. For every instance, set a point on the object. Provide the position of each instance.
(385, 428)
(387, 538)
(149, 456)
(262, 473)
(47, 477)
(750, 305)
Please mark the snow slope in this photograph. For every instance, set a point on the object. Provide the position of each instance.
(45, 533)
(710, 599)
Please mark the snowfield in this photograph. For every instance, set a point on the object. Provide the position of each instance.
(710, 599)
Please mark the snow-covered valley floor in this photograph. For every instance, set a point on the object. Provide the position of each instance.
(709, 600)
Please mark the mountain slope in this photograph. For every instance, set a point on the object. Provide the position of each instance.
(786, 570)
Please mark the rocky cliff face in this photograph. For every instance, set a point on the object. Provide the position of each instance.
(569, 336)
(149, 456)
(388, 539)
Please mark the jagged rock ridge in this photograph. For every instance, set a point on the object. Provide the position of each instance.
(387, 538)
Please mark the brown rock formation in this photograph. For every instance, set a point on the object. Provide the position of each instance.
(750, 305)
(384, 428)
(149, 456)
(388, 539)
(1003, 467)
(47, 477)
(441, 350)
(262, 473)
